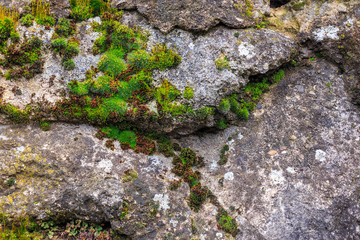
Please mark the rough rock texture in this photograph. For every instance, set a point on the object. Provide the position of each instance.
(198, 15)
(253, 52)
(292, 170)
(310, 182)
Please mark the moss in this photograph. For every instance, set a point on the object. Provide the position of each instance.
(298, 6)
(163, 58)
(79, 89)
(7, 26)
(188, 94)
(222, 64)
(14, 114)
(188, 156)
(224, 106)
(138, 59)
(10, 182)
(205, 112)
(278, 76)
(129, 175)
(112, 63)
(27, 20)
(164, 144)
(68, 64)
(223, 157)
(175, 184)
(127, 137)
(41, 12)
(226, 223)
(71, 50)
(165, 94)
(85, 9)
(64, 28)
(198, 196)
(222, 124)
(45, 126)
(59, 44)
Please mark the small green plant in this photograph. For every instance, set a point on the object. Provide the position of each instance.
(125, 137)
(162, 57)
(68, 64)
(85, 9)
(129, 175)
(27, 20)
(188, 94)
(298, 6)
(112, 63)
(67, 50)
(278, 76)
(224, 106)
(10, 182)
(222, 63)
(226, 223)
(223, 157)
(222, 124)
(198, 196)
(41, 12)
(45, 126)
(64, 28)
(138, 59)
(14, 114)
(236, 34)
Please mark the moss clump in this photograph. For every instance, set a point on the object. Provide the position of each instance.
(125, 137)
(7, 27)
(163, 58)
(226, 223)
(138, 59)
(165, 95)
(175, 184)
(65, 28)
(198, 196)
(67, 50)
(14, 114)
(112, 63)
(298, 6)
(85, 9)
(41, 12)
(45, 126)
(222, 63)
(188, 94)
(188, 157)
(10, 182)
(224, 106)
(27, 20)
(129, 175)
(222, 124)
(223, 157)
(164, 145)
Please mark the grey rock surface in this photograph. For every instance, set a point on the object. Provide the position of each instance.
(198, 15)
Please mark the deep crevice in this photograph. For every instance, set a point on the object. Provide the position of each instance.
(278, 3)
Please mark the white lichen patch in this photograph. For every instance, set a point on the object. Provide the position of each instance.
(240, 136)
(106, 165)
(277, 176)
(174, 223)
(290, 170)
(163, 200)
(320, 155)
(229, 176)
(247, 50)
(326, 32)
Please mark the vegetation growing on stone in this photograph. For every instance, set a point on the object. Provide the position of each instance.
(124, 137)
(188, 94)
(41, 12)
(14, 114)
(226, 223)
(67, 49)
(222, 64)
(65, 28)
(84, 9)
(129, 175)
(223, 157)
(27, 20)
(8, 23)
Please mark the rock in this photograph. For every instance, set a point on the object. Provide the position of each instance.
(197, 15)
(272, 152)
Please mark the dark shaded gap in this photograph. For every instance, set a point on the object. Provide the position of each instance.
(278, 3)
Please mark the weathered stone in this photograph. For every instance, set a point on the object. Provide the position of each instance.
(198, 15)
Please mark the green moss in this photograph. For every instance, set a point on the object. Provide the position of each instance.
(14, 114)
(222, 64)
(127, 38)
(175, 184)
(226, 223)
(198, 196)
(188, 156)
(222, 124)
(165, 94)
(45, 126)
(64, 28)
(163, 58)
(27, 20)
(224, 106)
(102, 85)
(7, 26)
(188, 94)
(138, 59)
(129, 175)
(68, 64)
(59, 44)
(71, 50)
(113, 104)
(82, 10)
(112, 63)
(278, 76)
(205, 112)
(298, 6)
(164, 144)
(79, 89)
(127, 137)
(10, 182)
(223, 157)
